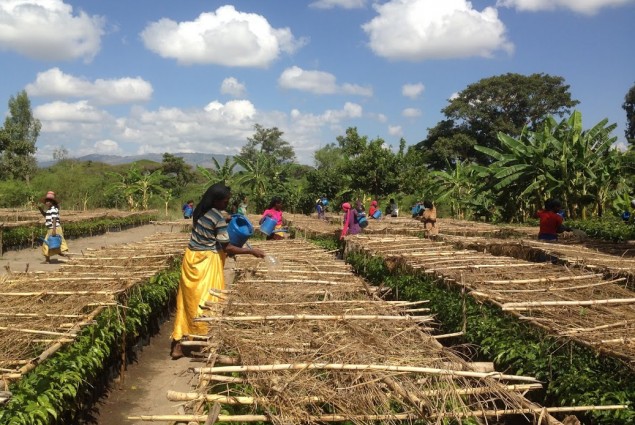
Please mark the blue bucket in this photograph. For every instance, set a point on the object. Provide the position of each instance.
(54, 241)
(377, 214)
(240, 230)
(325, 202)
(362, 221)
(416, 209)
(268, 225)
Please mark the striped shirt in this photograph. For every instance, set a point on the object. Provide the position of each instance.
(210, 232)
(52, 215)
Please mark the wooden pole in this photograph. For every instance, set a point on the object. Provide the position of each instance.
(360, 368)
(311, 317)
(396, 416)
(528, 304)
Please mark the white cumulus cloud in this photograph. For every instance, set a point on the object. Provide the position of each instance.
(587, 7)
(233, 87)
(416, 30)
(107, 147)
(55, 83)
(80, 111)
(224, 37)
(412, 91)
(344, 4)
(411, 112)
(318, 82)
(48, 30)
(395, 130)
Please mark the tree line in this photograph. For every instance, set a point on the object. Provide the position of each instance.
(506, 144)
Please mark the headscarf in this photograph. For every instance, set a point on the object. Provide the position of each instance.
(373, 203)
(347, 208)
(215, 193)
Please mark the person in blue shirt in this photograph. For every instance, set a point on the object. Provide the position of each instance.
(188, 209)
(319, 208)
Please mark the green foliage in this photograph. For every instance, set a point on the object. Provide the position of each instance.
(17, 140)
(21, 236)
(137, 186)
(61, 388)
(572, 375)
(177, 173)
(629, 107)
(608, 228)
(560, 161)
(269, 142)
(505, 103)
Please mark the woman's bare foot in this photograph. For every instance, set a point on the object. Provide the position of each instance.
(177, 350)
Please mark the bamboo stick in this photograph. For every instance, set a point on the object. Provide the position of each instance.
(36, 331)
(564, 288)
(616, 341)
(451, 335)
(322, 282)
(528, 304)
(39, 294)
(360, 368)
(224, 399)
(544, 279)
(396, 416)
(47, 315)
(311, 317)
(223, 378)
(327, 302)
(596, 328)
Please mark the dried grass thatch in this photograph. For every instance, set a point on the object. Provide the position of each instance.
(312, 342)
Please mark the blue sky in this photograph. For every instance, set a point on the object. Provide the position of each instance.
(129, 77)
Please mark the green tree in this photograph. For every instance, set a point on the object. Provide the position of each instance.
(629, 107)
(352, 144)
(256, 177)
(505, 103)
(561, 160)
(456, 186)
(17, 140)
(177, 173)
(267, 141)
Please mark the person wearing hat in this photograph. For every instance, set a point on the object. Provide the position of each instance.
(53, 226)
(319, 208)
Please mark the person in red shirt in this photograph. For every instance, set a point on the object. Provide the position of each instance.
(551, 221)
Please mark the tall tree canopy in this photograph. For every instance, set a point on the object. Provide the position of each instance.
(505, 103)
(629, 107)
(267, 141)
(17, 140)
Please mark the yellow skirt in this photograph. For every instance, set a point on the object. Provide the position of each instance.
(200, 272)
(56, 251)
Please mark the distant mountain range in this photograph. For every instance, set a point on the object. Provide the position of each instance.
(193, 159)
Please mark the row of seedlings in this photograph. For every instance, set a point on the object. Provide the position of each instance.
(562, 304)
(577, 304)
(305, 340)
(616, 259)
(43, 312)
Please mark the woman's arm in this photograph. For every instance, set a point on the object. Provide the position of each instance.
(234, 250)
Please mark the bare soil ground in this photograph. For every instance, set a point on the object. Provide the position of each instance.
(145, 383)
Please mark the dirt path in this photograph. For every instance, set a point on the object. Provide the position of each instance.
(145, 384)
(33, 259)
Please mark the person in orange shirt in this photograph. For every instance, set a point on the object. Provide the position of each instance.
(551, 223)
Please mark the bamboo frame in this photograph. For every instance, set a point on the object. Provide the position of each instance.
(360, 368)
(312, 317)
(394, 417)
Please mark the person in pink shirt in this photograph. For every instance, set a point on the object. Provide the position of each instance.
(275, 211)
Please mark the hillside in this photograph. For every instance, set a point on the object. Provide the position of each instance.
(194, 159)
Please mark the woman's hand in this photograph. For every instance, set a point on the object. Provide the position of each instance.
(258, 253)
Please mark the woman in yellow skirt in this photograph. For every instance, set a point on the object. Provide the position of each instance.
(53, 225)
(203, 264)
